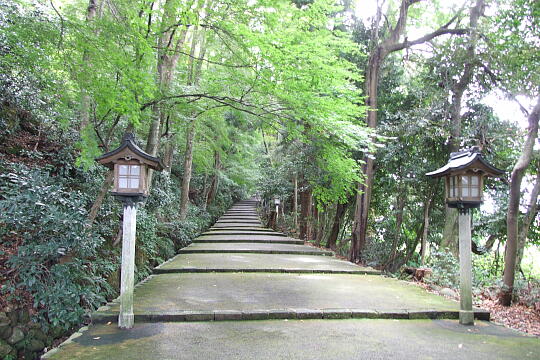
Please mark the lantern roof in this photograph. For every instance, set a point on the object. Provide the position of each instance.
(128, 148)
(468, 159)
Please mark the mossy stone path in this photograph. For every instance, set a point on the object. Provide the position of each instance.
(203, 303)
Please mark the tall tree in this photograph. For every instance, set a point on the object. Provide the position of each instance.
(381, 48)
(458, 88)
(512, 218)
(516, 65)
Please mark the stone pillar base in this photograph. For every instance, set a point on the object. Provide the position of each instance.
(125, 321)
(466, 317)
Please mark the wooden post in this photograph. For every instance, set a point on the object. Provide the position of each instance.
(466, 315)
(125, 318)
(295, 202)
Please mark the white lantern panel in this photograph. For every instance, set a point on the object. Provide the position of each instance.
(464, 181)
(475, 181)
(123, 182)
(135, 170)
(474, 192)
(123, 169)
(465, 191)
(134, 183)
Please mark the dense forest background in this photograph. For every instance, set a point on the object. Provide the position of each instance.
(338, 108)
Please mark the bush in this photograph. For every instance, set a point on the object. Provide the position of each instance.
(55, 258)
(182, 232)
(445, 269)
(152, 249)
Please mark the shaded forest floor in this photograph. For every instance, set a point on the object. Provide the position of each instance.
(518, 316)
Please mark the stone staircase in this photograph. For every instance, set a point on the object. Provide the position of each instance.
(239, 270)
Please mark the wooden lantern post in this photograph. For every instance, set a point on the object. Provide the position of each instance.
(464, 178)
(130, 165)
(277, 202)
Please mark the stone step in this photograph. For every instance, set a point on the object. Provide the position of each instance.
(247, 236)
(242, 232)
(261, 263)
(241, 213)
(239, 221)
(241, 296)
(233, 225)
(290, 314)
(258, 239)
(247, 214)
(232, 248)
(241, 228)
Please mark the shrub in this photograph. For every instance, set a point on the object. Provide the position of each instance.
(54, 261)
(182, 232)
(151, 249)
(445, 269)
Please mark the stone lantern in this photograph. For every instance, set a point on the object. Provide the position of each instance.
(130, 165)
(464, 178)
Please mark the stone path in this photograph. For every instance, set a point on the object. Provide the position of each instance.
(241, 291)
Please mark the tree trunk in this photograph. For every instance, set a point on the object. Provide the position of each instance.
(400, 206)
(92, 214)
(513, 207)
(315, 224)
(425, 230)
(272, 220)
(363, 198)
(194, 66)
(205, 191)
(168, 155)
(215, 179)
(86, 100)
(186, 179)
(305, 208)
(167, 59)
(450, 234)
(336, 226)
(528, 219)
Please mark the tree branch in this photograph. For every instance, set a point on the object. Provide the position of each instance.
(210, 61)
(237, 104)
(61, 24)
(426, 38)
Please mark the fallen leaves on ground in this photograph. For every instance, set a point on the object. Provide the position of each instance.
(518, 317)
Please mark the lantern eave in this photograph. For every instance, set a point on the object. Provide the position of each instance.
(464, 160)
(129, 145)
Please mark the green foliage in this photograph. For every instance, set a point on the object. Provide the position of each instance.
(152, 249)
(445, 269)
(55, 259)
(515, 42)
